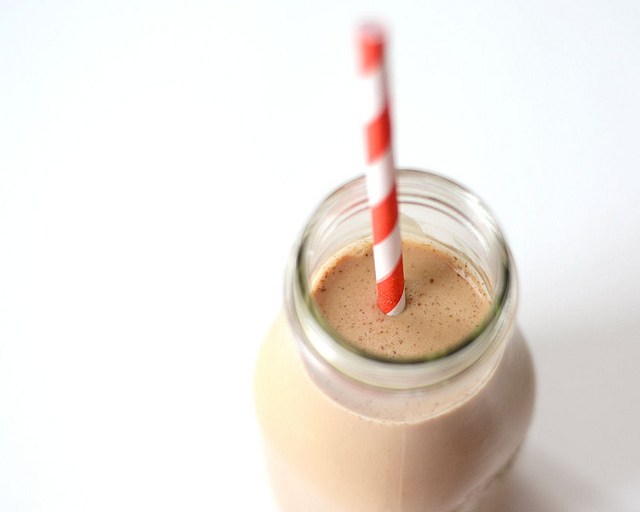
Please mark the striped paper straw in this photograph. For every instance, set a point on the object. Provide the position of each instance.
(381, 173)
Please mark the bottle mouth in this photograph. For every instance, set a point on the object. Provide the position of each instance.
(430, 206)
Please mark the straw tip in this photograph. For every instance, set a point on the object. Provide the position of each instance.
(371, 40)
(373, 31)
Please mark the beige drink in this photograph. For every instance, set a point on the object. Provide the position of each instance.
(446, 302)
(349, 425)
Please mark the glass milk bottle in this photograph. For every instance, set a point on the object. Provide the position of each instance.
(344, 432)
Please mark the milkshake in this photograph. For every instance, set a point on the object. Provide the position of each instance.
(446, 302)
(416, 413)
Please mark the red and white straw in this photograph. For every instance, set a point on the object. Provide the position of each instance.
(381, 173)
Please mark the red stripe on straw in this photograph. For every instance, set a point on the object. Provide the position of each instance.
(391, 289)
(379, 135)
(371, 48)
(384, 216)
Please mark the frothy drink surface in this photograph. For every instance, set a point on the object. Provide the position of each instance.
(446, 301)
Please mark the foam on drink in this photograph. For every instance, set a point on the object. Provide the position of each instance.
(446, 301)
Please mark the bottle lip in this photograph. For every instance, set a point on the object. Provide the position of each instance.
(321, 342)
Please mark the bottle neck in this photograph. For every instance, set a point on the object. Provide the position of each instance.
(431, 207)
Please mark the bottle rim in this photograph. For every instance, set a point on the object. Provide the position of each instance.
(319, 341)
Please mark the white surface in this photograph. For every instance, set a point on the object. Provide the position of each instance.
(158, 159)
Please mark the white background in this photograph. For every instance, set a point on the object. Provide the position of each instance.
(158, 159)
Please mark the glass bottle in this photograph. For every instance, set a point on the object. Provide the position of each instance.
(348, 433)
